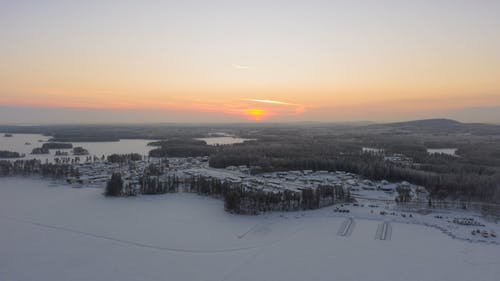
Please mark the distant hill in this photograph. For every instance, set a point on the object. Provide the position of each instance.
(427, 123)
(441, 125)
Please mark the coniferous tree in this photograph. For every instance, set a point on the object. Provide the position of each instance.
(115, 185)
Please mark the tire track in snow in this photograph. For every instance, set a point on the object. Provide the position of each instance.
(346, 228)
(144, 245)
(133, 243)
(384, 231)
(259, 225)
(253, 257)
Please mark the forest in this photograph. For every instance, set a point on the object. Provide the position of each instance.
(57, 145)
(181, 147)
(36, 167)
(444, 176)
(9, 154)
(237, 198)
(472, 174)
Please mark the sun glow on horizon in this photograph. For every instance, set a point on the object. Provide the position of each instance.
(296, 61)
(255, 114)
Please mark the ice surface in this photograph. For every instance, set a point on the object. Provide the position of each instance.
(59, 233)
(24, 144)
(222, 140)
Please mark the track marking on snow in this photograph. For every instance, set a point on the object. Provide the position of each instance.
(128, 242)
(255, 226)
(260, 225)
(346, 228)
(384, 231)
(144, 245)
(244, 264)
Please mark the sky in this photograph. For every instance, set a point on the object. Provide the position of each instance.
(248, 61)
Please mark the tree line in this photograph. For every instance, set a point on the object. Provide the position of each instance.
(9, 154)
(443, 176)
(237, 198)
(179, 147)
(34, 166)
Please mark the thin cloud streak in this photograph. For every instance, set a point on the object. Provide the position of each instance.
(271, 102)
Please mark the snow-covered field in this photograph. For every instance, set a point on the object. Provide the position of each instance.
(60, 233)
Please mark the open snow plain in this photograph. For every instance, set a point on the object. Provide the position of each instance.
(60, 233)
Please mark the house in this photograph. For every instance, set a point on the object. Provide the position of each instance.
(352, 182)
(367, 182)
(387, 187)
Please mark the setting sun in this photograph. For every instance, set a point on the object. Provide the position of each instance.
(327, 61)
(280, 140)
(255, 114)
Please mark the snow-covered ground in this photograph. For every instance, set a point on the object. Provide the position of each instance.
(61, 233)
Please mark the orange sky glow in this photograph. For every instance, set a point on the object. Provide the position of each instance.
(252, 61)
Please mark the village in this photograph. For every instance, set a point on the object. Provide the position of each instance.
(377, 200)
(97, 173)
(383, 200)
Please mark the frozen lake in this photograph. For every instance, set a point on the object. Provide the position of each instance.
(222, 140)
(60, 233)
(372, 150)
(24, 143)
(447, 151)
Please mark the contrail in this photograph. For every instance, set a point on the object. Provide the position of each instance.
(271, 101)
